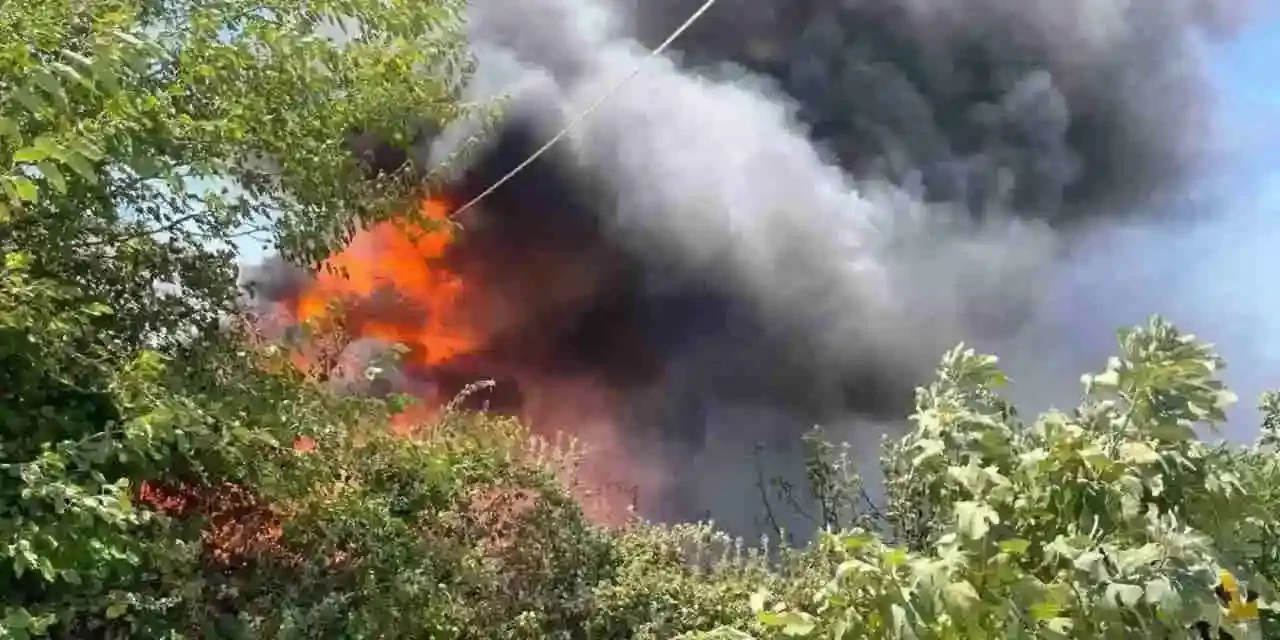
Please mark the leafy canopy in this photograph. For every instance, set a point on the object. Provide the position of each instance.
(1110, 521)
(164, 474)
(139, 139)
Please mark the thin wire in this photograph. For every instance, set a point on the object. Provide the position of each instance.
(589, 110)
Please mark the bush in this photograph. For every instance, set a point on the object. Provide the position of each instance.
(165, 474)
(1112, 521)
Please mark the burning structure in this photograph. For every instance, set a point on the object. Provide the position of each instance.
(783, 225)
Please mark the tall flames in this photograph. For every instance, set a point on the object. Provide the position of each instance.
(394, 259)
(395, 284)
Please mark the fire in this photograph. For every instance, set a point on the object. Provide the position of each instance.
(392, 283)
(395, 259)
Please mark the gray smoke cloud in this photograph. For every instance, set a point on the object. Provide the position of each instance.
(1059, 108)
(714, 176)
(876, 179)
(813, 199)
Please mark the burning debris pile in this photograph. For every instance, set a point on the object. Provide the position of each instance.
(785, 227)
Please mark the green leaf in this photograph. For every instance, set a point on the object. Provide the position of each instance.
(901, 622)
(82, 167)
(1015, 546)
(50, 84)
(961, 595)
(1042, 611)
(769, 618)
(1138, 453)
(116, 609)
(145, 166)
(852, 566)
(974, 519)
(796, 624)
(1132, 559)
(30, 154)
(29, 100)
(98, 309)
(1126, 595)
(839, 630)
(76, 58)
(105, 76)
(1224, 399)
(16, 260)
(969, 476)
(1159, 592)
(126, 38)
(895, 557)
(1172, 432)
(1060, 626)
(50, 145)
(1090, 562)
(88, 149)
(929, 448)
(854, 542)
(54, 176)
(26, 189)
(17, 618)
(70, 73)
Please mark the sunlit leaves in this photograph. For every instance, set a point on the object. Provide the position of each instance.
(1076, 526)
(54, 176)
(20, 189)
(1160, 592)
(1015, 546)
(974, 519)
(33, 104)
(793, 624)
(1118, 594)
(1139, 453)
(1109, 521)
(758, 600)
(118, 363)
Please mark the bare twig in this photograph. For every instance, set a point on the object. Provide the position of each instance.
(764, 495)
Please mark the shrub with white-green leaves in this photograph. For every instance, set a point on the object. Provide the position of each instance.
(1087, 524)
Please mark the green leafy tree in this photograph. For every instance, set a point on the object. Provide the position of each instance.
(1112, 521)
(139, 139)
(164, 473)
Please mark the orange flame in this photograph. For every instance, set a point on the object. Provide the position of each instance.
(431, 314)
(404, 261)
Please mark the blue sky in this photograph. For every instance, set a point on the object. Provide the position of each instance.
(1243, 273)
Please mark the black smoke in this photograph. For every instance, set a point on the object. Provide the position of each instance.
(571, 301)
(1050, 108)
(788, 220)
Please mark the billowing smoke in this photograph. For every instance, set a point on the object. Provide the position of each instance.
(789, 220)
(1056, 108)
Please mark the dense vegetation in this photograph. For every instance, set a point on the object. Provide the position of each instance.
(164, 474)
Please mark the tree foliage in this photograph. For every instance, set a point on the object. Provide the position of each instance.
(138, 140)
(1110, 521)
(163, 473)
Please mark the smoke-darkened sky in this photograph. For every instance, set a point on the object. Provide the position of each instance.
(1210, 276)
(1217, 275)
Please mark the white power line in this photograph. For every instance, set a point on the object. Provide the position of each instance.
(589, 110)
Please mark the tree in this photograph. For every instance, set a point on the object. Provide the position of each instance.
(1112, 521)
(165, 474)
(138, 140)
